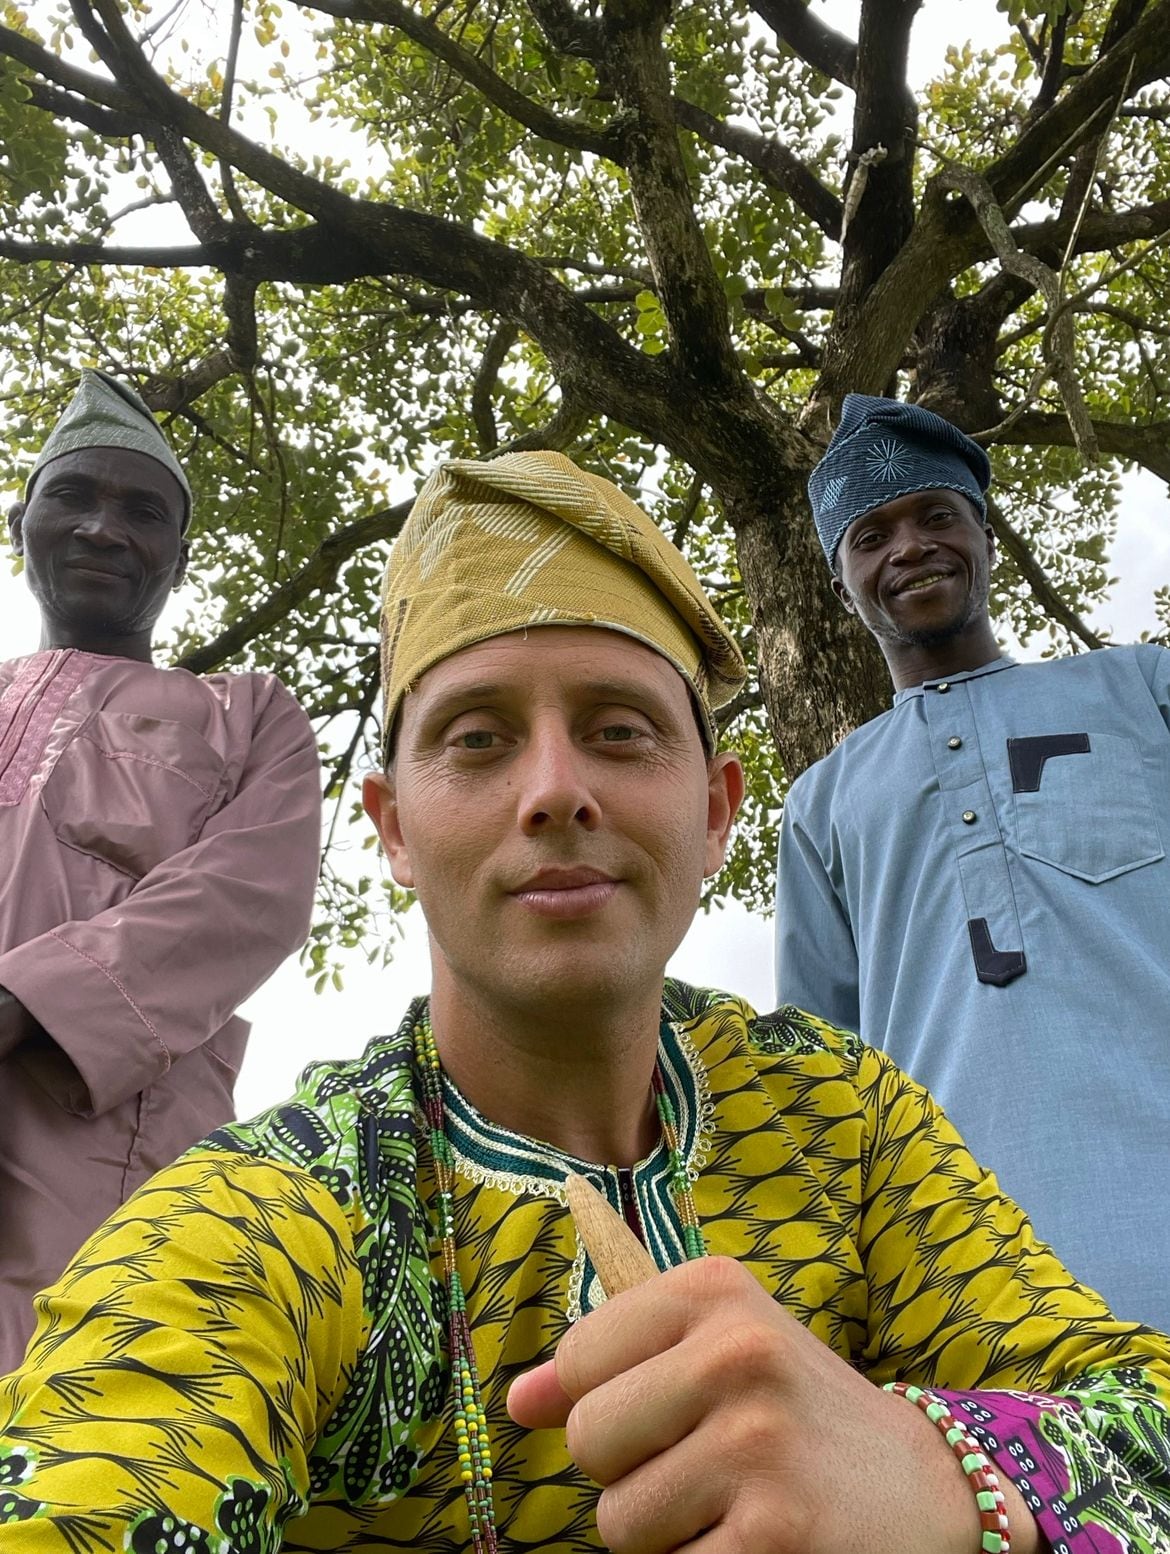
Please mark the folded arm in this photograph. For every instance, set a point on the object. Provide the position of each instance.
(125, 993)
(16, 1024)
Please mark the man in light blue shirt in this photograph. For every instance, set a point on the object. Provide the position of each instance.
(977, 880)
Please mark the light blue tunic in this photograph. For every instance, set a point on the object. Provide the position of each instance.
(977, 882)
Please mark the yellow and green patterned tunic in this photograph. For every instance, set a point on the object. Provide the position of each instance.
(251, 1355)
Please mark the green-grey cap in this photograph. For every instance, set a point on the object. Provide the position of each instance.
(107, 414)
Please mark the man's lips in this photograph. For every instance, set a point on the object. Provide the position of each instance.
(566, 893)
(920, 582)
(80, 564)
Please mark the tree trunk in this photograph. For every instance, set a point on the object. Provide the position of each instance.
(820, 672)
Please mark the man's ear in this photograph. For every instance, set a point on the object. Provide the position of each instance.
(380, 801)
(725, 786)
(181, 565)
(843, 593)
(16, 526)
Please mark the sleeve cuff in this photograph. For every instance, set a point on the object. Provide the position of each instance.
(102, 1046)
(1008, 1426)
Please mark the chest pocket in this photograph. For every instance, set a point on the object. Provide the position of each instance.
(1083, 804)
(132, 790)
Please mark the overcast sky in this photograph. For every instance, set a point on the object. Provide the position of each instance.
(730, 949)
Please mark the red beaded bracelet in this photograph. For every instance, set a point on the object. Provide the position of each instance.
(981, 1476)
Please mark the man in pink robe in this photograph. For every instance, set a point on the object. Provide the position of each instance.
(159, 835)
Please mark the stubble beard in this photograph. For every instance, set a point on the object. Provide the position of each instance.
(947, 631)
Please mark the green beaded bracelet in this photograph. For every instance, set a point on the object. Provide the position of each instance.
(996, 1535)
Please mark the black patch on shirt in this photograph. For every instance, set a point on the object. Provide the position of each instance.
(999, 967)
(1027, 756)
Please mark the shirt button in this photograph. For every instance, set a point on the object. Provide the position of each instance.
(955, 744)
(969, 817)
(943, 687)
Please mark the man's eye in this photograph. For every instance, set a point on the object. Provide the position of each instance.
(618, 733)
(475, 739)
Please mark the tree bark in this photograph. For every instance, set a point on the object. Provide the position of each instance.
(821, 673)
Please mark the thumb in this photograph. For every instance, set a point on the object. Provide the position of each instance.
(537, 1399)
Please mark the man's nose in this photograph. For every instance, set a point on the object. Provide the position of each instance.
(100, 525)
(555, 790)
(912, 543)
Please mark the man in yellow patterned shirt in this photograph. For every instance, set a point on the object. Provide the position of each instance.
(364, 1321)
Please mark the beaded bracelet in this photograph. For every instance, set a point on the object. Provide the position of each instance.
(981, 1476)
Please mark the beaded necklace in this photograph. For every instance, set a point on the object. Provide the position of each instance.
(471, 1434)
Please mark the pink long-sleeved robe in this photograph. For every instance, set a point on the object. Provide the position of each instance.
(159, 835)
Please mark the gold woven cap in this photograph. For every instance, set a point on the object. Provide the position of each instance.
(529, 539)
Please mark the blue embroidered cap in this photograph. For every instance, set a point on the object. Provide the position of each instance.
(884, 449)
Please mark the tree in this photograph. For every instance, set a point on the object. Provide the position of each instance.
(664, 238)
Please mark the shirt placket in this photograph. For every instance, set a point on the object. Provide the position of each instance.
(29, 710)
(972, 828)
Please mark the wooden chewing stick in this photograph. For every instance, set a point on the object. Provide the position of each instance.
(620, 1259)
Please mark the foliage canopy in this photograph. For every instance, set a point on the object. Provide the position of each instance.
(334, 243)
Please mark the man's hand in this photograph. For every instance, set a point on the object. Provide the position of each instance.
(16, 1024)
(715, 1422)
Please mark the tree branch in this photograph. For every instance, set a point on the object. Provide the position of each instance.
(1123, 16)
(686, 517)
(14, 45)
(570, 420)
(342, 765)
(685, 282)
(105, 121)
(1052, 77)
(1058, 347)
(503, 338)
(318, 573)
(947, 238)
(832, 53)
(574, 133)
(567, 30)
(194, 197)
(882, 152)
(169, 394)
(640, 278)
(1157, 113)
(359, 237)
(748, 700)
(1146, 444)
(239, 306)
(776, 165)
(1035, 52)
(813, 299)
(105, 254)
(226, 173)
(1050, 601)
(1139, 56)
(1099, 230)
(183, 118)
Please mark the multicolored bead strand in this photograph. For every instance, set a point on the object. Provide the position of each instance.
(472, 1447)
(995, 1534)
(471, 1433)
(680, 1182)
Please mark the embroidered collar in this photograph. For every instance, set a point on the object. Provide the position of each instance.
(493, 1156)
